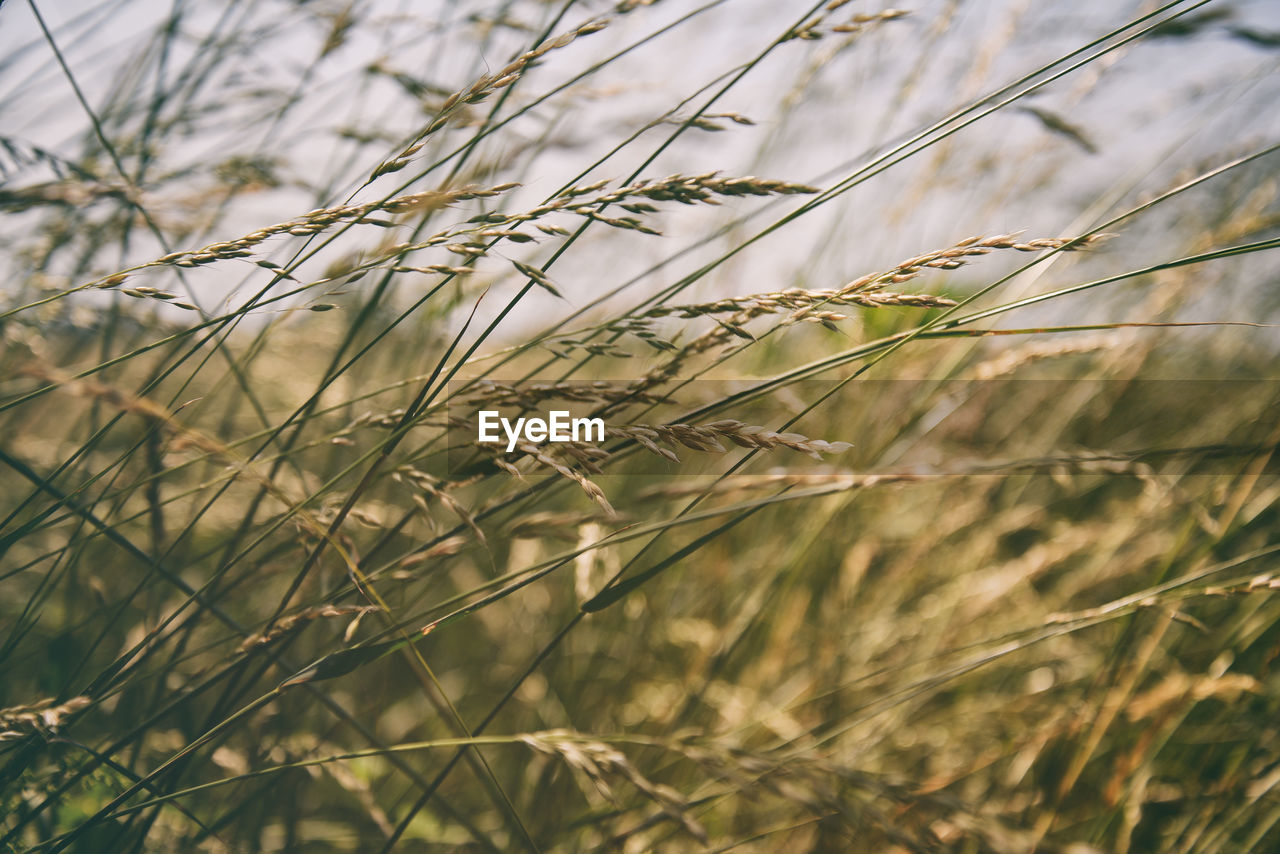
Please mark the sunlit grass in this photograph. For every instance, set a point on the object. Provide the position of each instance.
(967, 546)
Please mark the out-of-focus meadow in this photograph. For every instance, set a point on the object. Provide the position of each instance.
(937, 509)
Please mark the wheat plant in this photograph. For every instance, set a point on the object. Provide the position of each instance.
(935, 507)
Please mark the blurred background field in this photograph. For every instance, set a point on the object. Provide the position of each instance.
(938, 510)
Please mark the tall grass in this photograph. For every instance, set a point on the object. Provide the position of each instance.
(937, 509)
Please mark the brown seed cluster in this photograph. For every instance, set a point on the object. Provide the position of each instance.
(864, 291)
(710, 437)
(599, 762)
(434, 488)
(482, 88)
(798, 300)
(704, 437)
(587, 200)
(142, 292)
(694, 189)
(73, 194)
(444, 548)
(468, 241)
(706, 121)
(41, 716)
(318, 220)
(532, 394)
(293, 622)
(588, 455)
(816, 28)
(955, 257)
